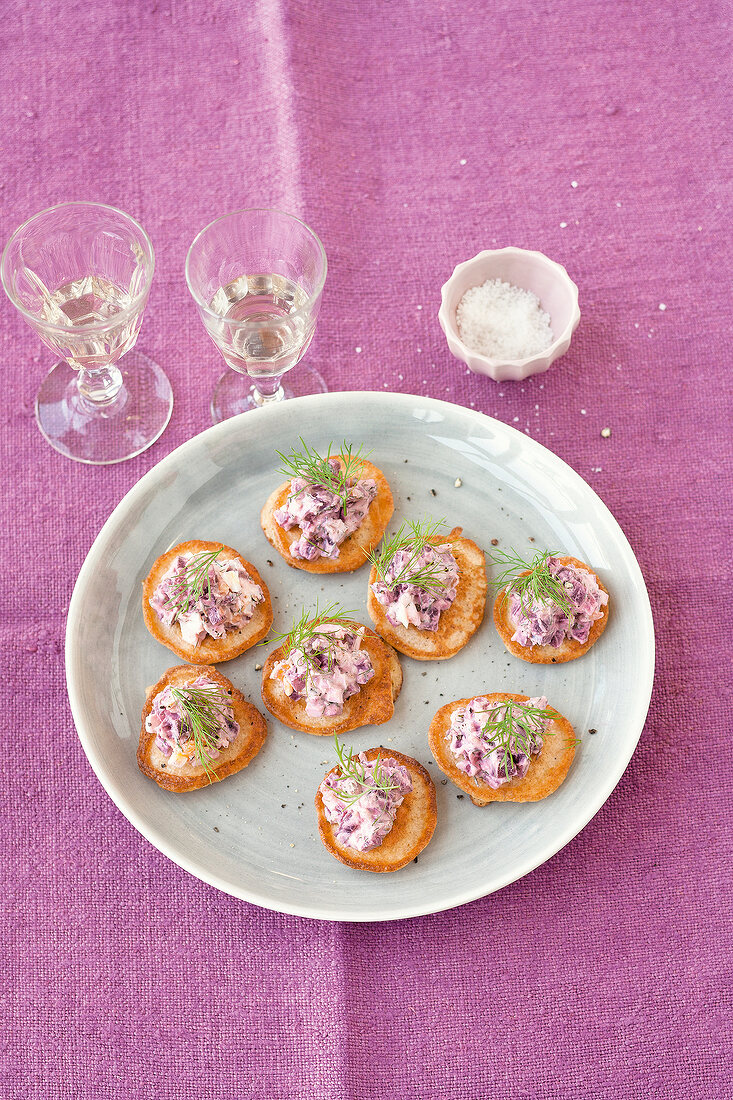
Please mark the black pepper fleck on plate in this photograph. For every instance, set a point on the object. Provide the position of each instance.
(592, 731)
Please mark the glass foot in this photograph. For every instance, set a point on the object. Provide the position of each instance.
(120, 430)
(235, 393)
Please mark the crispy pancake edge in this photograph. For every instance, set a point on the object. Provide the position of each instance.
(394, 852)
(570, 650)
(545, 774)
(211, 650)
(373, 704)
(253, 731)
(354, 549)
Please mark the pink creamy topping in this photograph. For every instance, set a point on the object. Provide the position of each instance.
(407, 604)
(173, 736)
(328, 670)
(479, 755)
(546, 623)
(324, 519)
(226, 603)
(364, 817)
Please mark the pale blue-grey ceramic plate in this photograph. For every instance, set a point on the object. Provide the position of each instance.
(254, 835)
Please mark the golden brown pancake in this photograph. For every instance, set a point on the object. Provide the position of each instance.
(210, 650)
(456, 625)
(413, 827)
(546, 771)
(186, 777)
(569, 650)
(372, 705)
(354, 549)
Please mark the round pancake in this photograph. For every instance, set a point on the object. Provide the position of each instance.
(355, 548)
(413, 827)
(569, 649)
(210, 650)
(186, 777)
(372, 705)
(457, 625)
(546, 771)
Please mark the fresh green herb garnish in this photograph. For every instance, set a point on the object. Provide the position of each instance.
(309, 628)
(203, 713)
(531, 580)
(317, 470)
(414, 537)
(188, 585)
(515, 721)
(353, 769)
(310, 625)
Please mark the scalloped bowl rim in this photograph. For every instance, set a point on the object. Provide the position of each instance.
(451, 331)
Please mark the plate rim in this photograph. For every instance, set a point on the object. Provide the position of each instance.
(72, 659)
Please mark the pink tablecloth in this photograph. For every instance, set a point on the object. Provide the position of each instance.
(411, 136)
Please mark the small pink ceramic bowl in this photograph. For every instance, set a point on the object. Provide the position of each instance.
(528, 270)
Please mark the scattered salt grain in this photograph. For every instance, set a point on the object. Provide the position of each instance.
(574, 183)
(605, 433)
(563, 225)
(358, 350)
(458, 483)
(662, 306)
(501, 320)
(463, 161)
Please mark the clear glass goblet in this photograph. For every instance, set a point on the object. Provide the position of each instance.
(257, 277)
(80, 275)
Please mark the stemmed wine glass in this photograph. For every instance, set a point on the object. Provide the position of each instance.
(80, 275)
(257, 277)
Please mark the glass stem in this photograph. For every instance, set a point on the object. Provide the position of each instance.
(99, 387)
(267, 389)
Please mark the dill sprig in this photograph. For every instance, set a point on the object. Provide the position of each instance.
(316, 469)
(413, 536)
(188, 585)
(309, 628)
(203, 713)
(352, 768)
(513, 721)
(531, 580)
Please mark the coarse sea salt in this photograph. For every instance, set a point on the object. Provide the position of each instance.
(503, 321)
